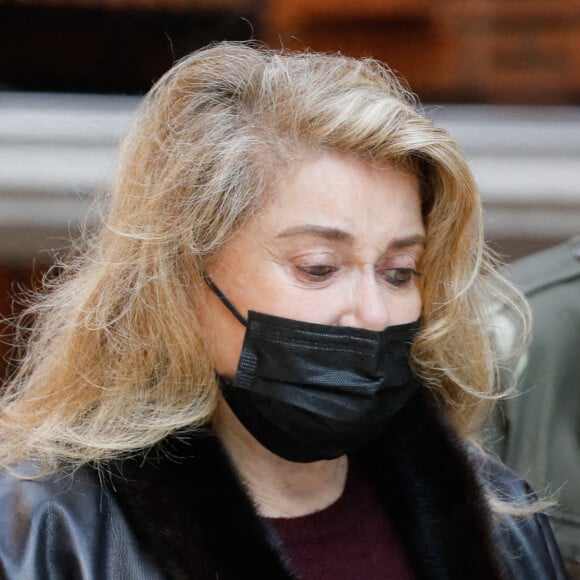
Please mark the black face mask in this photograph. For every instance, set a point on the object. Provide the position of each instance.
(311, 391)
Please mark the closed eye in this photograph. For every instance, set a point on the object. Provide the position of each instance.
(318, 272)
(400, 277)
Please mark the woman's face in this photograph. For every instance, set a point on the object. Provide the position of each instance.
(340, 243)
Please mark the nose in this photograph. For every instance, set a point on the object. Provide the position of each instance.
(368, 307)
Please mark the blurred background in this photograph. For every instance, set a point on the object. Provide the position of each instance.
(503, 76)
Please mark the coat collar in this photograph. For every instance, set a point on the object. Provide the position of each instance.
(187, 506)
(434, 496)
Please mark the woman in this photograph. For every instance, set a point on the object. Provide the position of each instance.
(273, 360)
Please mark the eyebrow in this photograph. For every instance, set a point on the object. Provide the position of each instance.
(415, 240)
(332, 234)
(337, 235)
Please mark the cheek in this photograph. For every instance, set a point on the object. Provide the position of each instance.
(224, 337)
(225, 354)
(407, 310)
(323, 306)
(417, 305)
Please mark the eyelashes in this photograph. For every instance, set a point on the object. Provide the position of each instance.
(395, 277)
(401, 277)
(318, 272)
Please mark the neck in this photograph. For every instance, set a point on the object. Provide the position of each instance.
(279, 488)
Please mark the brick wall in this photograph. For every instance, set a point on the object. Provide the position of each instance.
(493, 51)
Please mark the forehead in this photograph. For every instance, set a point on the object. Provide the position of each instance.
(345, 193)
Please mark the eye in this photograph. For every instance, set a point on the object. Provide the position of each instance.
(400, 277)
(318, 272)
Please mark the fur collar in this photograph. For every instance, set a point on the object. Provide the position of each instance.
(189, 510)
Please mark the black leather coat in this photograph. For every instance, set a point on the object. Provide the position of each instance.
(179, 511)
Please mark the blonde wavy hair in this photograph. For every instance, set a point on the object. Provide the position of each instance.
(116, 358)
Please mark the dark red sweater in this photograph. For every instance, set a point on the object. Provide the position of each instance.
(349, 540)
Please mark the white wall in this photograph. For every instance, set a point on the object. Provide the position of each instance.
(57, 150)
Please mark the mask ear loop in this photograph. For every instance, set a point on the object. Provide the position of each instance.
(224, 300)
